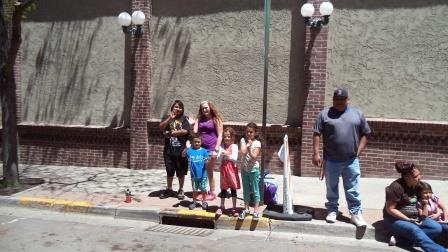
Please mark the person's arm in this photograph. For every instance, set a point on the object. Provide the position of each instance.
(234, 155)
(243, 146)
(362, 145)
(165, 122)
(391, 208)
(253, 152)
(196, 126)
(219, 130)
(444, 210)
(317, 161)
(183, 131)
(422, 208)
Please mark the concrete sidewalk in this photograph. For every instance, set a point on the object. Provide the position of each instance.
(101, 191)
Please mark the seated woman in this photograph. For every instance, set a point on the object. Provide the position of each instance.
(400, 211)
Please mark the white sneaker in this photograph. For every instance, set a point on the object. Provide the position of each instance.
(392, 241)
(358, 220)
(331, 217)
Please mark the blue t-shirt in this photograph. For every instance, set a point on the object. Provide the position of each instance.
(196, 162)
(341, 132)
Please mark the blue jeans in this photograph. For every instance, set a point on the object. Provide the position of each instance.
(419, 234)
(351, 174)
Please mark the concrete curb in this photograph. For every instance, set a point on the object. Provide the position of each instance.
(317, 227)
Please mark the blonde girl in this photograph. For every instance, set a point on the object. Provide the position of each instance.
(229, 178)
(209, 126)
(250, 172)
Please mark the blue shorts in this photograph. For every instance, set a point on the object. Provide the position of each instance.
(199, 184)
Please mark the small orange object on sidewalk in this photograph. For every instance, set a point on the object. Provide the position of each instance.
(128, 195)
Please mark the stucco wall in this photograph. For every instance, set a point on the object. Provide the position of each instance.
(213, 50)
(392, 56)
(73, 63)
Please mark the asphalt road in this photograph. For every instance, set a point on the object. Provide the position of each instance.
(24, 229)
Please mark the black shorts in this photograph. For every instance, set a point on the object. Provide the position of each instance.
(175, 164)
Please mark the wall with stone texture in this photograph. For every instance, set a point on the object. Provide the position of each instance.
(73, 63)
(392, 56)
(213, 50)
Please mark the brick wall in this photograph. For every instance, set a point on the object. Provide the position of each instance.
(81, 146)
(423, 143)
(314, 88)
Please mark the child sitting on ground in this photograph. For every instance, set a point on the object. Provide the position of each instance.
(430, 205)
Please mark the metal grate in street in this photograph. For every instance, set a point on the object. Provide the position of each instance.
(180, 230)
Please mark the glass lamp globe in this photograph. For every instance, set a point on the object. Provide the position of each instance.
(307, 10)
(138, 18)
(124, 19)
(326, 8)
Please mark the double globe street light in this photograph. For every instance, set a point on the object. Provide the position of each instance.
(137, 18)
(325, 9)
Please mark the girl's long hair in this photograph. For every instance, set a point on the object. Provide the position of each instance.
(213, 111)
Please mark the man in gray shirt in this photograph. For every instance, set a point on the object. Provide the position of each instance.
(344, 132)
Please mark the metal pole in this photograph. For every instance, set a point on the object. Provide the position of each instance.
(267, 21)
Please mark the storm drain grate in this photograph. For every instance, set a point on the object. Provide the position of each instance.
(180, 230)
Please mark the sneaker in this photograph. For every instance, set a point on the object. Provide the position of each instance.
(210, 196)
(392, 241)
(243, 214)
(192, 205)
(358, 220)
(204, 205)
(331, 217)
(165, 194)
(180, 194)
(256, 216)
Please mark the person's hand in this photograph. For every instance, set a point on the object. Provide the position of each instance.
(188, 144)
(415, 221)
(443, 221)
(227, 153)
(317, 161)
(191, 120)
(173, 113)
(249, 143)
(435, 216)
(424, 202)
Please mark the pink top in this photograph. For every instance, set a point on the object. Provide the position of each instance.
(433, 204)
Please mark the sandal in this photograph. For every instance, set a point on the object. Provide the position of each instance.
(219, 211)
(234, 213)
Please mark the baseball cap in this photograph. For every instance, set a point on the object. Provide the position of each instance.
(340, 92)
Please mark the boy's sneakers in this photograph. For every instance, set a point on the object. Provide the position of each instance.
(192, 205)
(180, 194)
(243, 214)
(358, 220)
(331, 217)
(256, 216)
(167, 193)
(204, 205)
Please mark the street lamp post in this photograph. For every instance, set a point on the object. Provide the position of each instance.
(137, 18)
(325, 9)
